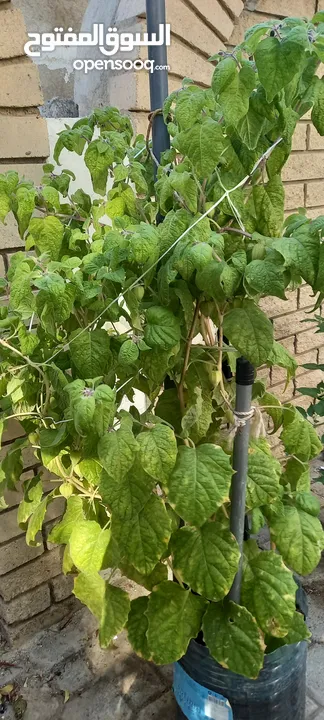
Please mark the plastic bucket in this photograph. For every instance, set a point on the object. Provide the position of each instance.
(279, 693)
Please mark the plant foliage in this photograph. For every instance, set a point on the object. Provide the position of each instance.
(111, 303)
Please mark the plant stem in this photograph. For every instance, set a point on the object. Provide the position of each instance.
(220, 358)
(186, 359)
(237, 231)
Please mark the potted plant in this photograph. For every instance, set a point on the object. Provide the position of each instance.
(103, 309)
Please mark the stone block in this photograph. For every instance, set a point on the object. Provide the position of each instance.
(2, 267)
(139, 122)
(190, 25)
(304, 166)
(26, 605)
(9, 527)
(62, 587)
(306, 299)
(282, 8)
(26, 577)
(42, 704)
(18, 633)
(185, 62)
(321, 354)
(300, 401)
(311, 379)
(316, 141)
(313, 213)
(27, 171)
(74, 677)
(299, 138)
(315, 193)
(13, 497)
(234, 7)
(13, 32)
(307, 341)
(309, 357)
(283, 394)
(289, 324)
(23, 136)
(315, 663)
(13, 430)
(294, 195)
(214, 15)
(14, 555)
(100, 702)
(19, 84)
(289, 343)
(273, 306)
(164, 707)
(131, 91)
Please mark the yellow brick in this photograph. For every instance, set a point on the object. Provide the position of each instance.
(13, 430)
(279, 375)
(301, 401)
(294, 195)
(304, 166)
(284, 395)
(24, 136)
(321, 352)
(316, 141)
(234, 7)
(311, 380)
(274, 306)
(287, 7)
(308, 357)
(13, 32)
(313, 213)
(299, 138)
(289, 324)
(216, 16)
(315, 193)
(193, 29)
(139, 121)
(131, 91)
(308, 340)
(19, 84)
(306, 297)
(289, 343)
(2, 266)
(186, 63)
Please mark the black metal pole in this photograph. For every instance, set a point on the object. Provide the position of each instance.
(159, 87)
(244, 383)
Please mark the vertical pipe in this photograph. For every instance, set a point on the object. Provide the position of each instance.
(244, 383)
(159, 89)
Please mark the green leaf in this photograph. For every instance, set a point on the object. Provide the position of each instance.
(300, 438)
(269, 592)
(250, 331)
(144, 538)
(318, 108)
(189, 104)
(26, 205)
(299, 538)
(90, 589)
(105, 408)
(158, 451)
(128, 353)
(74, 514)
(200, 482)
(88, 546)
(297, 474)
(116, 452)
(266, 278)
(47, 234)
(174, 618)
(83, 412)
(5, 204)
(22, 299)
(90, 352)
(159, 574)
(277, 63)
(33, 493)
(36, 520)
(203, 144)
(300, 252)
(12, 466)
(98, 164)
(126, 495)
(263, 478)
(280, 356)
(90, 470)
(114, 615)
(137, 626)
(28, 341)
(206, 559)
(298, 630)
(162, 329)
(234, 639)
(185, 185)
(269, 199)
(232, 89)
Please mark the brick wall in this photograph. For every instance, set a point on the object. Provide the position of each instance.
(33, 592)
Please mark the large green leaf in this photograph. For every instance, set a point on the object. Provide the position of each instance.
(162, 329)
(269, 591)
(36, 521)
(299, 437)
(269, 202)
(299, 538)
(143, 538)
(33, 492)
(200, 482)
(74, 514)
(114, 615)
(203, 144)
(26, 205)
(158, 451)
(233, 638)
(280, 356)
(266, 278)
(174, 618)
(83, 412)
(47, 234)
(250, 331)
(126, 495)
(318, 108)
(22, 298)
(117, 450)
(206, 559)
(263, 479)
(301, 252)
(185, 185)
(232, 88)
(98, 163)
(90, 589)
(88, 546)
(137, 626)
(189, 104)
(105, 408)
(90, 352)
(277, 63)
